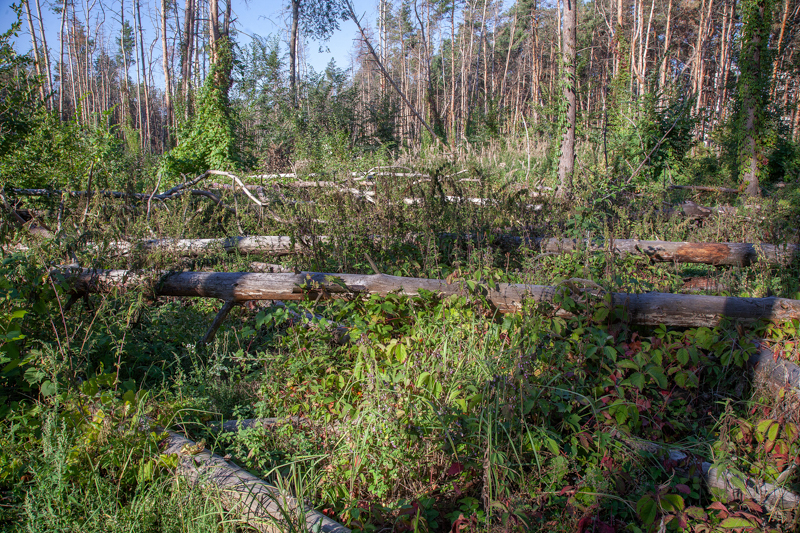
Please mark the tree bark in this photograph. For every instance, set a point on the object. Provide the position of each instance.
(61, 61)
(294, 35)
(186, 55)
(165, 65)
(752, 90)
(566, 163)
(263, 506)
(653, 308)
(35, 44)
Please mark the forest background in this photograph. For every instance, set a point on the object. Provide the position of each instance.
(651, 83)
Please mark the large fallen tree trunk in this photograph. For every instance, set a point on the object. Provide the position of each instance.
(653, 308)
(276, 245)
(262, 506)
(712, 253)
(723, 253)
(705, 188)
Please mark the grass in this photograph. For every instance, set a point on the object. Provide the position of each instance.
(440, 415)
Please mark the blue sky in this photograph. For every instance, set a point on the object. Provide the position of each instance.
(262, 18)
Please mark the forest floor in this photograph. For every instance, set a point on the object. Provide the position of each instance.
(436, 413)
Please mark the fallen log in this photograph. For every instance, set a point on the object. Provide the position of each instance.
(704, 188)
(724, 253)
(262, 506)
(776, 371)
(712, 253)
(680, 310)
(275, 245)
(720, 478)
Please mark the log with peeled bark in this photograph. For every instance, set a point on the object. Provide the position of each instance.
(732, 485)
(262, 506)
(275, 245)
(723, 253)
(712, 253)
(680, 310)
(704, 188)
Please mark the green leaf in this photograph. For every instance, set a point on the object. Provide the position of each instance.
(47, 388)
(696, 512)
(627, 363)
(646, 508)
(657, 374)
(610, 352)
(734, 522)
(772, 434)
(636, 379)
(672, 502)
(683, 356)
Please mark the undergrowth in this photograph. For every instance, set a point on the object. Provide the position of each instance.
(438, 414)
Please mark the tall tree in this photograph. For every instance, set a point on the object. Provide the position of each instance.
(319, 19)
(753, 89)
(566, 163)
(165, 63)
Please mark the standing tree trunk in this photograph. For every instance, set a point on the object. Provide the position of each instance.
(662, 75)
(146, 136)
(186, 56)
(293, 50)
(61, 62)
(46, 52)
(753, 88)
(566, 163)
(35, 44)
(165, 65)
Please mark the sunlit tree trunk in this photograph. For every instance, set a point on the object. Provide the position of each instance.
(35, 44)
(293, 37)
(566, 163)
(165, 64)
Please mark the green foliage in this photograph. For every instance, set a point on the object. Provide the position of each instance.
(209, 139)
(18, 98)
(752, 129)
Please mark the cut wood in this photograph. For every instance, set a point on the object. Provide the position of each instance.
(681, 310)
(262, 506)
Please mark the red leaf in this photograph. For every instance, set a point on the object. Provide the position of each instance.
(718, 506)
(753, 506)
(455, 469)
(602, 527)
(683, 488)
(583, 523)
(568, 489)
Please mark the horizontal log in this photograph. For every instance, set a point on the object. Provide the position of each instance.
(262, 506)
(724, 253)
(275, 245)
(714, 253)
(727, 190)
(776, 371)
(720, 478)
(680, 310)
